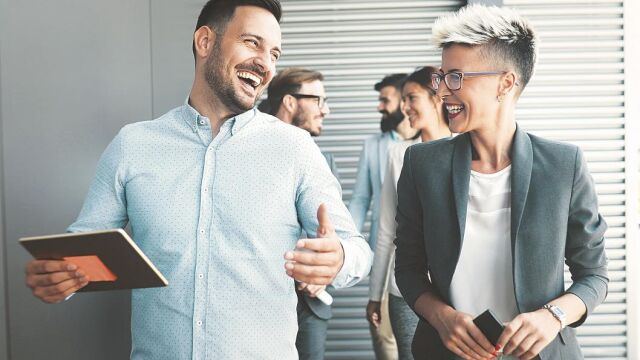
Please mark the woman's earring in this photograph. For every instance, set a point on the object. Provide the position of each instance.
(500, 98)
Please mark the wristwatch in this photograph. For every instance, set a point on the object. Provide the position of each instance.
(558, 314)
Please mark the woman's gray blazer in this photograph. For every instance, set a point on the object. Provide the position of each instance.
(554, 220)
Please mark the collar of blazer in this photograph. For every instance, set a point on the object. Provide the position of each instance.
(521, 166)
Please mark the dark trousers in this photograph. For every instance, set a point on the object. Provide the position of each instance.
(312, 333)
(403, 323)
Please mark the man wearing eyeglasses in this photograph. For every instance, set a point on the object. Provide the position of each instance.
(297, 97)
(366, 194)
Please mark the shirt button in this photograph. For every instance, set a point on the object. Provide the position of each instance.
(210, 148)
(199, 323)
(201, 231)
(200, 276)
(201, 122)
(206, 190)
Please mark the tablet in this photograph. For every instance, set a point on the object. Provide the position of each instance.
(111, 260)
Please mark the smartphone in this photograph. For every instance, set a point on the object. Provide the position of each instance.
(490, 326)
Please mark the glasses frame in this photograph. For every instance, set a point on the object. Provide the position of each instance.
(437, 78)
(321, 100)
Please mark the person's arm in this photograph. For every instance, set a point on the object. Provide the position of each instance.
(527, 334)
(53, 281)
(456, 330)
(362, 190)
(383, 253)
(340, 256)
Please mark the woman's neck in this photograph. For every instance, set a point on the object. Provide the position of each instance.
(492, 147)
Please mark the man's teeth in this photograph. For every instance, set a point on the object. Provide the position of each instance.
(454, 109)
(249, 76)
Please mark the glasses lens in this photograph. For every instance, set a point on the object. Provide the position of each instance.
(435, 80)
(453, 81)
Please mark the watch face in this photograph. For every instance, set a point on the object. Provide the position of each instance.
(556, 310)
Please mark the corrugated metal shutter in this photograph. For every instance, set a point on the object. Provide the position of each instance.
(354, 43)
(577, 95)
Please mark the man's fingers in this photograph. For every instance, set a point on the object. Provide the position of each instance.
(308, 270)
(52, 278)
(325, 228)
(59, 290)
(319, 245)
(64, 295)
(312, 257)
(310, 278)
(471, 348)
(49, 266)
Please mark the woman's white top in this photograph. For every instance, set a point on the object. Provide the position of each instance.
(384, 255)
(483, 278)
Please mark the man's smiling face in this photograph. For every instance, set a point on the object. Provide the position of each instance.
(243, 59)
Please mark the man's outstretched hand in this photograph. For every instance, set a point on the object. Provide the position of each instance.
(316, 261)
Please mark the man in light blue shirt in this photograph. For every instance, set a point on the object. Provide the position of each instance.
(366, 193)
(217, 195)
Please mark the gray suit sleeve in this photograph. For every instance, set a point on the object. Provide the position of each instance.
(585, 248)
(411, 258)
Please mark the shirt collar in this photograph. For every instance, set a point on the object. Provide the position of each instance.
(194, 119)
(394, 135)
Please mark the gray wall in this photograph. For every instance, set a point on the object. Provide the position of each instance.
(3, 309)
(73, 73)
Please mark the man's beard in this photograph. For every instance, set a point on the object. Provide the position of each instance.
(297, 121)
(390, 121)
(224, 90)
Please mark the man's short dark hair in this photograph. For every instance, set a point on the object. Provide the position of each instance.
(217, 13)
(287, 81)
(395, 80)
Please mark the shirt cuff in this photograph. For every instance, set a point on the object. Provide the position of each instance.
(356, 264)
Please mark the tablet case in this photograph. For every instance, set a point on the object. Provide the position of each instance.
(115, 249)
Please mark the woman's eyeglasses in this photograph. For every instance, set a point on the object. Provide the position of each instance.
(454, 79)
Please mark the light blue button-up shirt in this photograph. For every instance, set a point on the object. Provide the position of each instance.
(216, 216)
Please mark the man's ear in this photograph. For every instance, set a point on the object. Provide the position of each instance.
(203, 40)
(289, 103)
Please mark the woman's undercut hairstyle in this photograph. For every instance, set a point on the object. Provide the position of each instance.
(505, 37)
(217, 13)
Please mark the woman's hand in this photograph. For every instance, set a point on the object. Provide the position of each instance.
(373, 313)
(527, 334)
(461, 336)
